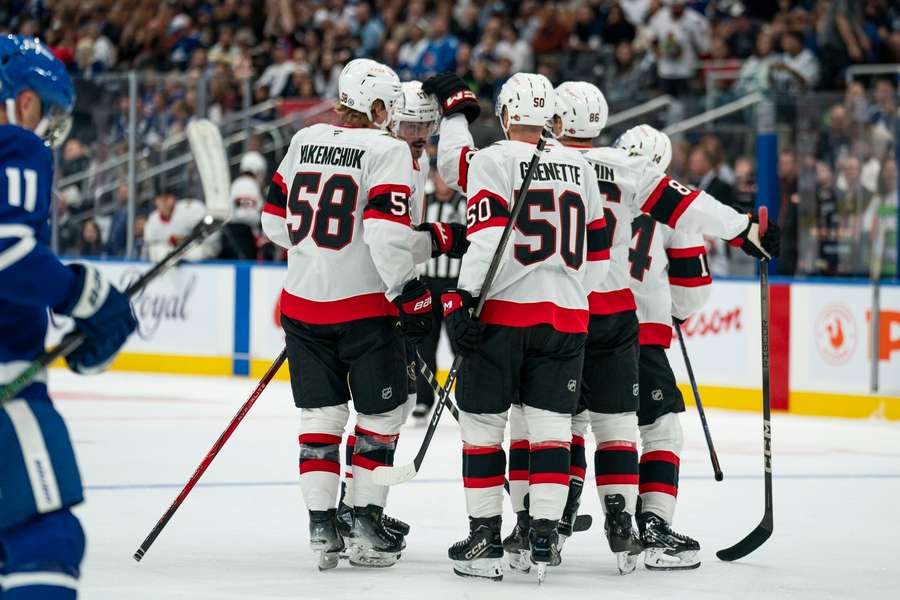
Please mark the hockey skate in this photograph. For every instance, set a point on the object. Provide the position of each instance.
(324, 538)
(516, 544)
(420, 415)
(570, 512)
(664, 549)
(543, 539)
(622, 537)
(480, 554)
(345, 522)
(371, 544)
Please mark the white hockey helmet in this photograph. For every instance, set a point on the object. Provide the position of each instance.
(529, 99)
(363, 81)
(415, 106)
(582, 108)
(253, 162)
(644, 140)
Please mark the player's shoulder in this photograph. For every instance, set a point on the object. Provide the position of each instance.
(615, 157)
(496, 152)
(18, 143)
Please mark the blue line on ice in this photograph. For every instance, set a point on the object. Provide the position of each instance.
(226, 484)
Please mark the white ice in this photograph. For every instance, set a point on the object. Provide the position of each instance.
(242, 533)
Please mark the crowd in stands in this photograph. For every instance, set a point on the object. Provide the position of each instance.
(210, 57)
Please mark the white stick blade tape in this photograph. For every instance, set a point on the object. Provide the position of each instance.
(394, 475)
(212, 164)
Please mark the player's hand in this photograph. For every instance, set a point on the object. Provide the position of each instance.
(414, 303)
(446, 238)
(101, 312)
(463, 329)
(749, 241)
(453, 94)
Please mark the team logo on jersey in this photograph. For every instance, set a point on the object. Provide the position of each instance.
(386, 393)
(657, 395)
(572, 385)
(836, 334)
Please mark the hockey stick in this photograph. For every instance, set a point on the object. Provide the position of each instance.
(875, 276)
(209, 154)
(582, 522)
(399, 473)
(758, 536)
(207, 460)
(713, 457)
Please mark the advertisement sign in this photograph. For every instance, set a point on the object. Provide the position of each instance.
(266, 336)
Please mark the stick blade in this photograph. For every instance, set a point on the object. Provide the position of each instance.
(394, 475)
(754, 540)
(212, 164)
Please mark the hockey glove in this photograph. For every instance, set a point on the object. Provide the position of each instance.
(446, 238)
(414, 303)
(749, 241)
(101, 312)
(453, 95)
(463, 329)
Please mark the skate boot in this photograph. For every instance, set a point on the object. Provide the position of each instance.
(371, 545)
(396, 526)
(570, 512)
(543, 539)
(420, 415)
(345, 522)
(516, 544)
(664, 549)
(324, 538)
(480, 554)
(622, 537)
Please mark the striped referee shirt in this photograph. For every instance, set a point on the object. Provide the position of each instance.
(451, 211)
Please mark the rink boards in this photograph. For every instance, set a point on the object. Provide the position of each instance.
(222, 319)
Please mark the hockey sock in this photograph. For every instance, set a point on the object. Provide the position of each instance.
(348, 470)
(320, 469)
(577, 459)
(661, 443)
(482, 471)
(616, 457)
(371, 450)
(518, 458)
(550, 435)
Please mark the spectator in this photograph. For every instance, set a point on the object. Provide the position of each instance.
(703, 175)
(679, 35)
(411, 52)
(627, 80)
(370, 29)
(841, 39)
(517, 50)
(836, 141)
(788, 214)
(552, 33)
(91, 241)
(116, 242)
(617, 29)
(796, 70)
(225, 50)
(880, 218)
(852, 200)
(440, 52)
(754, 73)
(276, 75)
(827, 232)
(170, 223)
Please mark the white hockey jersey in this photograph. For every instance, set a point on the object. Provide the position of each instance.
(339, 202)
(247, 200)
(161, 236)
(559, 240)
(669, 276)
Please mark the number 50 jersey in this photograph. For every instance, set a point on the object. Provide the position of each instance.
(339, 203)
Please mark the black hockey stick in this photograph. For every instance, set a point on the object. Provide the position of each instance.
(207, 460)
(713, 457)
(209, 155)
(399, 473)
(582, 522)
(763, 531)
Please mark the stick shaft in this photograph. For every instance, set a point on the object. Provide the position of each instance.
(207, 460)
(713, 456)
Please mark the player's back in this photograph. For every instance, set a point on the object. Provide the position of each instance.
(26, 173)
(335, 179)
(542, 276)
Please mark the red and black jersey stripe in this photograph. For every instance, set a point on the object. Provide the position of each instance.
(598, 240)
(550, 462)
(687, 267)
(483, 466)
(668, 201)
(616, 463)
(276, 198)
(389, 202)
(659, 472)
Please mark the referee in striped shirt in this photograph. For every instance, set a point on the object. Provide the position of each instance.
(447, 206)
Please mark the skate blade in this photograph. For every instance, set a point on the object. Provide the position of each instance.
(626, 562)
(369, 558)
(328, 560)
(480, 568)
(541, 573)
(656, 559)
(520, 561)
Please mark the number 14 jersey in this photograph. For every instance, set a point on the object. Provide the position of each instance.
(339, 203)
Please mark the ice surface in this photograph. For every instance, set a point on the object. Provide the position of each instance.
(242, 533)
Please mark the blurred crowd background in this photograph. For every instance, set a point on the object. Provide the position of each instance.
(262, 69)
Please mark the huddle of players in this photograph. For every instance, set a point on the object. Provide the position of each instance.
(559, 333)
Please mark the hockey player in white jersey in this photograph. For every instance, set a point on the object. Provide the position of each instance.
(527, 347)
(339, 202)
(240, 233)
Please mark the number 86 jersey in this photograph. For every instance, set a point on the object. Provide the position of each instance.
(339, 203)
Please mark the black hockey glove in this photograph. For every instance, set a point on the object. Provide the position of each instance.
(463, 329)
(749, 241)
(446, 238)
(414, 303)
(453, 95)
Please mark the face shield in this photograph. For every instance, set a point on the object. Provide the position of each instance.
(54, 126)
(416, 134)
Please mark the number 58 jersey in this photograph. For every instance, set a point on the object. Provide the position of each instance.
(339, 203)
(558, 243)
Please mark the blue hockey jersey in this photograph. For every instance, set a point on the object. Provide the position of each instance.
(38, 473)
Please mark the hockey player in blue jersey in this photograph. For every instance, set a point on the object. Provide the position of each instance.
(41, 541)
